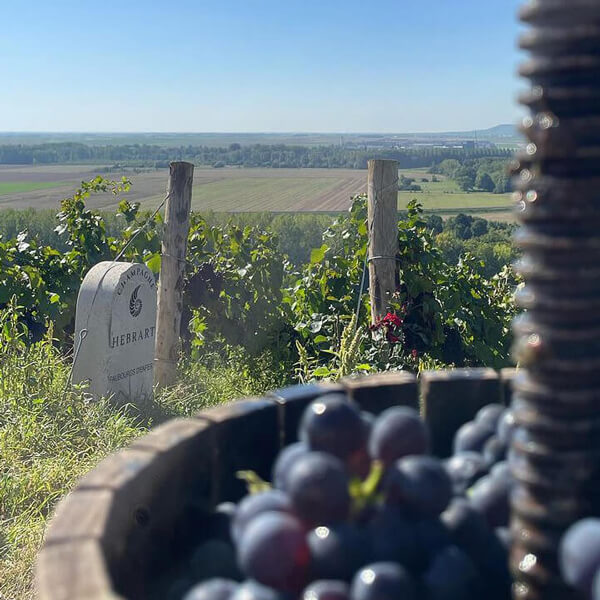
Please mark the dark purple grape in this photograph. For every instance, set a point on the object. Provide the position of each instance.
(179, 588)
(255, 504)
(398, 432)
(419, 483)
(494, 451)
(274, 552)
(318, 487)
(214, 558)
(467, 528)
(504, 537)
(471, 437)
(490, 415)
(579, 554)
(464, 470)
(470, 532)
(452, 576)
(337, 552)
(252, 590)
(284, 462)
(212, 589)
(226, 508)
(393, 536)
(383, 581)
(359, 462)
(218, 524)
(432, 536)
(334, 425)
(368, 420)
(327, 589)
(501, 470)
(506, 427)
(491, 497)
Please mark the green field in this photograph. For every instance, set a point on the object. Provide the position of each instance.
(20, 187)
(446, 197)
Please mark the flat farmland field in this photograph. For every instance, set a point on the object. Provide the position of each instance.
(222, 190)
(239, 190)
(20, 187)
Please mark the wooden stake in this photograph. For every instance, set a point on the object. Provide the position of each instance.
(172, 272)
(383, 234)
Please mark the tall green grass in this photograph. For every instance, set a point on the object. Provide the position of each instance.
(49, 437)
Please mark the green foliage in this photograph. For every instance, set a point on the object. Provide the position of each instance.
(488, 174)
(489, 242)
(408, 184)
(484, 182)
(444, 312)
(345, 359)
(465, 177)
(446, 167)
(235, 287)
(242, 292)
(45, 280)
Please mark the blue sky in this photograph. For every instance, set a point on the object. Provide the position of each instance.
(258, 65)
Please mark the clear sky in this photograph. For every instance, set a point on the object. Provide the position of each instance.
(258, 65)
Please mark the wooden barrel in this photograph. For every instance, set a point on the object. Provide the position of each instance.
(129, 523)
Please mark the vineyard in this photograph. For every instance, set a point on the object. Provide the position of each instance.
(252, 320)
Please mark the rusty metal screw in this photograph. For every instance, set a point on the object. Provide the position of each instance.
(556, 455)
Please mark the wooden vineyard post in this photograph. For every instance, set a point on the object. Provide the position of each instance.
(383, 233)
(172, 272)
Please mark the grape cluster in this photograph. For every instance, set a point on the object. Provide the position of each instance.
(579, 557)
(359, 510)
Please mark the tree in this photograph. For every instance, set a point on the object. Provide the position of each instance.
(449, 167)
(465, 178)
(435, 223)
(408, 184)
(503, 185)
(461, 226)
(484, 182)
(479, 227)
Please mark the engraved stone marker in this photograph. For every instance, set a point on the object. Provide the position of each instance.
(116, 323)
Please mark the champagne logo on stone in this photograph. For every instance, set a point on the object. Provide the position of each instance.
(135, 303)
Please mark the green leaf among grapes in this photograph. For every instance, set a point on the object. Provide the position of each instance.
(254, 483)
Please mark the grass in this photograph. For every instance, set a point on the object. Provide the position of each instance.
(446, 196)
(20, 187)
(49, 438)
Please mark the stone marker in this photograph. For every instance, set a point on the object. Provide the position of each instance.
(116, 322)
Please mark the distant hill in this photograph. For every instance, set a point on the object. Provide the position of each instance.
(499, 131)
(503, 132)
(506, 130)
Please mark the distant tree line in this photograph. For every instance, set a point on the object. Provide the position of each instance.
(486, 174)
(297, 234)
(490, 242)
(256, 155)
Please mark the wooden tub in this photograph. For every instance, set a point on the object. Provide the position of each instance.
(122, 532)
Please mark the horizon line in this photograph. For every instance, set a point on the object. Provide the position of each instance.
(147, 132)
